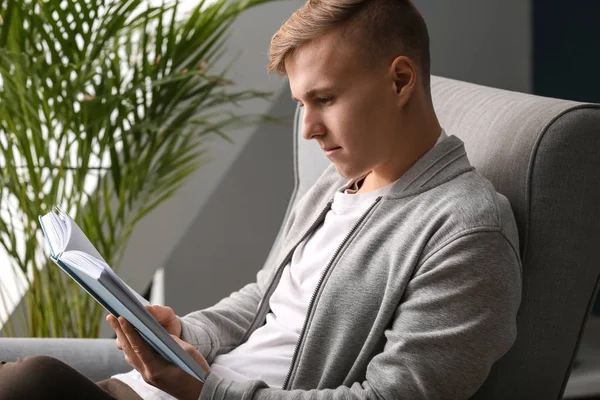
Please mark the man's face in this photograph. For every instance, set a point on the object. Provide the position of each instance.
(348, 107)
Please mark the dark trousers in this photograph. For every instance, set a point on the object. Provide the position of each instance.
(43, 377)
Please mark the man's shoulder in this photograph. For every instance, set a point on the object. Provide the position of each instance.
(470, 203)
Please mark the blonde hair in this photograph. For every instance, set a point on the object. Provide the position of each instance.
(380, 28)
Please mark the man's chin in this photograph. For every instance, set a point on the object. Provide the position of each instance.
(342, 172)
(348, 173)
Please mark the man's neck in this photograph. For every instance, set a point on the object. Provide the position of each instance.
(384, 175)
(356, 186)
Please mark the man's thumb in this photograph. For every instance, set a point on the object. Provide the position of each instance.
(194, 353)
(157, 312)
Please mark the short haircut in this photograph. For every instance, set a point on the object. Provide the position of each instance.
(378, 28)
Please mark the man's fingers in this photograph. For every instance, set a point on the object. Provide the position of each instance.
(156, 312)
(130, 355)
(112, 321)
(139, 347)
(166, 317)
(136, 349)
(161, 313)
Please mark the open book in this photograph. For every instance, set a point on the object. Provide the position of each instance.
(72, 251)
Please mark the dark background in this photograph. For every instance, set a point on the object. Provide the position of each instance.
(566, 53)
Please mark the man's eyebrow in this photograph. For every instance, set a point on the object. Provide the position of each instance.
(314, 92)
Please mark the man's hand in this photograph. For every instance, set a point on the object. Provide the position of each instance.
(167, 318)
(155, 370)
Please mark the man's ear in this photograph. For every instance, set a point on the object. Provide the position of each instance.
(404, 76)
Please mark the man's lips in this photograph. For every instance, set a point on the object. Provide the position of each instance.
(329, 151)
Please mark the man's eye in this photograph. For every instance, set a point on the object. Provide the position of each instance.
(321, 100)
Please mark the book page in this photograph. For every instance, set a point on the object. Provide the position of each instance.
(55, 232)
(82, 253)
(83, 262)
(78, 240)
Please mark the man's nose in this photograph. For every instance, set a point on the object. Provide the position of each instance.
(311, 125)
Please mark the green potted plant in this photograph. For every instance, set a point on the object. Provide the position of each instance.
(104, 109)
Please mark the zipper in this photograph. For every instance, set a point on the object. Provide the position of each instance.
(313, 298)
(280, 270)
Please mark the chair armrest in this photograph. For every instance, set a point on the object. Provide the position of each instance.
(584, 382)
(97, 359)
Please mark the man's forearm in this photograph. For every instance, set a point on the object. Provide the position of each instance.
(220, 328)
(218, 388)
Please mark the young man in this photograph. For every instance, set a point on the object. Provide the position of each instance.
(398, 275)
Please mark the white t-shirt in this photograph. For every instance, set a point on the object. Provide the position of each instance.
(268, 352)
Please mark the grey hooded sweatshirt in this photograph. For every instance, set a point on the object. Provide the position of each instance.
(417, 303)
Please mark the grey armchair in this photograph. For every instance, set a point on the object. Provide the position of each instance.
(544, 155)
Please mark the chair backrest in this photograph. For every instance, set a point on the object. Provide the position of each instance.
(544, 155)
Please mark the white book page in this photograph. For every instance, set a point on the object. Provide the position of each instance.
(84, 250)
(55, 231)
(83, 262)
(78, 240)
